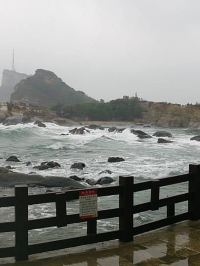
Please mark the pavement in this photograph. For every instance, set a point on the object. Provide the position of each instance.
(177, 245)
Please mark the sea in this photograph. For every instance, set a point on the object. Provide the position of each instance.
(144, 160)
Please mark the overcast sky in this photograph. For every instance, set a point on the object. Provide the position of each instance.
(108, 48)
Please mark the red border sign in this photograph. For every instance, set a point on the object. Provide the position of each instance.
(88, 204)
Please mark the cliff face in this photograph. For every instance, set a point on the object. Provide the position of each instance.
(44, 88)
(171, 115)
(9, 80)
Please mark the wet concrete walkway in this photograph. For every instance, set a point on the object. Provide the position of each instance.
(174, 245)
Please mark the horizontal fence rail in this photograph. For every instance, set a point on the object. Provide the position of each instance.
(125, 190)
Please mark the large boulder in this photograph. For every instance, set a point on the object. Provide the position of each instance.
(39, 123)
(162, 134)
(115, 159)
(13, 158)
(141, 134)
(112, 129)
(105, 180)
(47, 165)
(78, 131)
(197, 138)
(79, 166)
(138, 132)
(10, 179)
(160, 140)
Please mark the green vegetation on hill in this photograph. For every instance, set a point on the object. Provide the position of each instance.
(44, 88)
(126, 109)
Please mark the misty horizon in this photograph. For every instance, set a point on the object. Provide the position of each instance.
(107, 49)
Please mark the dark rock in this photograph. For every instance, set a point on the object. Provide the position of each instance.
(53, 164)
(120, 130)
(105, 180)
(197, 138)
(10, 179)
(162, 134)
(13, 159)
(39, 123)
(41, 167)
(79, 166)
(28, 163)
(141, 134)
(76, 178)
(115, 129)
(112, 129)
(160, 140)
(91, 182)
(138, 132)
(47, 165)
(115, 159)
(106, 172)
(79, 131)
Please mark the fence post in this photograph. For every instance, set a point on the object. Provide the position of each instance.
(21, 221)
(126, 202)
(91, 227)
(194, 186)
(155, 193)
(61, 209)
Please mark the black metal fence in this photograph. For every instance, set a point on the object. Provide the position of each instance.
(125, 211)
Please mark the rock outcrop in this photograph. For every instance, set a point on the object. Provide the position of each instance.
(197, 138)
(79, 131)
(141, 134)
(47, 165)
(10, 179)
(161, 140)
(170, 115)
(45, 89)
(9, 80)
(115, 159)
(13, 158)
(79, 166)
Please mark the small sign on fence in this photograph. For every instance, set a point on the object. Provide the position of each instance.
(88, 204)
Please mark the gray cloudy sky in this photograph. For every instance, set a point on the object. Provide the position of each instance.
(108, 48)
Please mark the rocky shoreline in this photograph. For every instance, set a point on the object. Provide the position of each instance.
(9, 178)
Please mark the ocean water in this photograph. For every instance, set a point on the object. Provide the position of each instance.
(144, 159)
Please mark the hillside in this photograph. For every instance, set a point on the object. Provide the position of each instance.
(9, 80)
(44, 88)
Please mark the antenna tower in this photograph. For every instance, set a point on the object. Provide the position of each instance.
(13, 61)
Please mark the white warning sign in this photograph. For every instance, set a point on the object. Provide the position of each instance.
(88, 204)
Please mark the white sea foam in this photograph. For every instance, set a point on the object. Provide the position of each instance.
(56, 146)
